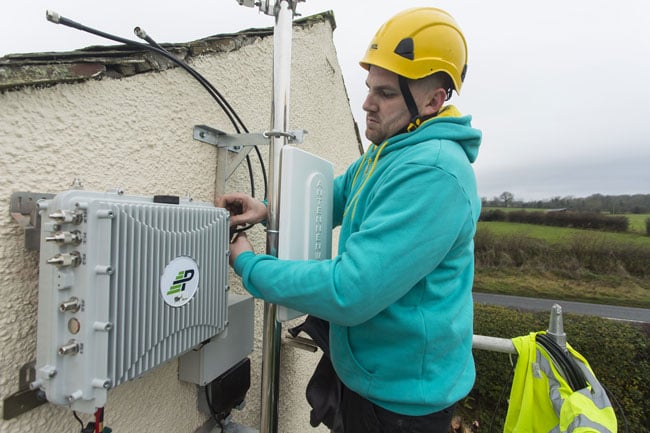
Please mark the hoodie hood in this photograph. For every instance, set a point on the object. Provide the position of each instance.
(449, 125)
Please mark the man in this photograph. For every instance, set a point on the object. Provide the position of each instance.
(397, 295)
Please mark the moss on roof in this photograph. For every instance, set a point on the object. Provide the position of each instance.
(45, 69)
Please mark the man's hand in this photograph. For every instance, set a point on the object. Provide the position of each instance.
(243, 208)
(238, 246)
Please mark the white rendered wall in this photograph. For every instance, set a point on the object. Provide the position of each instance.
(135, 134)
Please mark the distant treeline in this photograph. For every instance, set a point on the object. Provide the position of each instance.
(636, 203)
(559, 218)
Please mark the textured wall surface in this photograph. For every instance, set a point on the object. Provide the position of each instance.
(135, 133)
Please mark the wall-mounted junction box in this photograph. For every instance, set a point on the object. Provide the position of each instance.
(126, 283)
(204, 364)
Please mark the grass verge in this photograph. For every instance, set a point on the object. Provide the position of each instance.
(609, 290)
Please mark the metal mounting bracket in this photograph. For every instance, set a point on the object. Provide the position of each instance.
(238, 144)
(235, 142)
(25, 399)
(24, 209)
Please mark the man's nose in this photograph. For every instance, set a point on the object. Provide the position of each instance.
(368, 104)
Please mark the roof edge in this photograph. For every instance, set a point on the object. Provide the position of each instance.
(18, 71)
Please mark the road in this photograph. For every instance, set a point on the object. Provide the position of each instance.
(630, 314)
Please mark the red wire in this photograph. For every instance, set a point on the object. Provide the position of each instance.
(99, 420)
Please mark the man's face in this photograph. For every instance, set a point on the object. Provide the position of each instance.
(386, 111)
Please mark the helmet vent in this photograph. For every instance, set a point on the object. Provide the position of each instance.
(405, 49)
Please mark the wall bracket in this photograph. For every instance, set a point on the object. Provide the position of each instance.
(232, 149)
(24, 209)
(25, 399)
(235, 142)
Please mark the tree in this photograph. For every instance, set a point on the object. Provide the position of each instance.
(506, 197)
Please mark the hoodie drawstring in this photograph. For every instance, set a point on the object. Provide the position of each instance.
(368, 173)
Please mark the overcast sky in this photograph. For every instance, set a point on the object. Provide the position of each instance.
(560, 88)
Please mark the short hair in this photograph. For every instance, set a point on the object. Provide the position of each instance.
(438, 79)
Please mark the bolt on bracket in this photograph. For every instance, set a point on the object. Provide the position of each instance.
(24, 209)
(25, 399)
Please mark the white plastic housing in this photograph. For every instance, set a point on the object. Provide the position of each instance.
(305, 210)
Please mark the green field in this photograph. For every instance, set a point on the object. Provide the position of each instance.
(561, 234)
(543, 277)
(638, 222)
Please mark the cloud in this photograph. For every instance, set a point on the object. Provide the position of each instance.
(560, 89)
(620, 173)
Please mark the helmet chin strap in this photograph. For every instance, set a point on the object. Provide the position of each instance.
(410, 104)
(416, 119)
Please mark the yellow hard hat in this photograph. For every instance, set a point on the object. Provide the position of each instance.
(419, 42)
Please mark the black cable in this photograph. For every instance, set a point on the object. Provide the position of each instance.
(620, 408)
(55, 18)
(568, 368)
(214, 414)
(142, 34)
(573, 373)
(555, 352)
(234, 234)
(259, 156)
(157, 48)
(250, 174)
(139, 32)
(232, 114)
(501, 394)
(74, 413)
(565, 363)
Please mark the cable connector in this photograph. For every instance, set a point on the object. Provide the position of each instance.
(53, 16)
(139, 32)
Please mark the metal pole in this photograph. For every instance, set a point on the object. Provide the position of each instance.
(556, 326)
(505, 345)
(493, 344)
(280, 113)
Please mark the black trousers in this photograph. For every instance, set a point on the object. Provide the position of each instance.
(345, 411)
(362, 416)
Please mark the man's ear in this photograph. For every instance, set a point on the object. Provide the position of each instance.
(434, 101)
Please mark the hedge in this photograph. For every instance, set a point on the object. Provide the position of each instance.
(581, 220)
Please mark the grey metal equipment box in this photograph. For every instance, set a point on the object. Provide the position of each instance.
(203, 365)
(126, 283)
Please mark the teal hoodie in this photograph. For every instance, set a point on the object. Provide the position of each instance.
(398, 295)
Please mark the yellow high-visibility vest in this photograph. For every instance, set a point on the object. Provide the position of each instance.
(542, 401)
